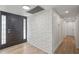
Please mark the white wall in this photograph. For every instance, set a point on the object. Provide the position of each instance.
(57, 34)
(45, 30)
(40, 34)
(69, 28)
(77, 34)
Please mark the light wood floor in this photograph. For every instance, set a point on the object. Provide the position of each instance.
(67, 46)
(24, 48)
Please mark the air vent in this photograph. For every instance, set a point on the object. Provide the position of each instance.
(35, 10)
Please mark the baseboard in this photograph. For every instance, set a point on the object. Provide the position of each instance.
(60, 43)
(38, 48)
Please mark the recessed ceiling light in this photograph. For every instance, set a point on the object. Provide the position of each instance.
(67, 12)
(26, 7)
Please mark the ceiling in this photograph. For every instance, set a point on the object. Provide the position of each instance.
(17, 9)
(60, 9)
(72, 9)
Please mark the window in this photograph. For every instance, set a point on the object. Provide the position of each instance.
(3, 29)
(24, 28)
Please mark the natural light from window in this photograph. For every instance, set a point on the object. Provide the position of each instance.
(3, 29)
(24, 28)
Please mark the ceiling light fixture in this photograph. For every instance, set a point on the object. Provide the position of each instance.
(26, 7)
(66, 12)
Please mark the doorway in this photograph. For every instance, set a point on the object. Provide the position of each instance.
(13, 29)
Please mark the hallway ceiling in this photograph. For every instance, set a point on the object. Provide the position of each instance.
(68, 12)
(73, 11)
